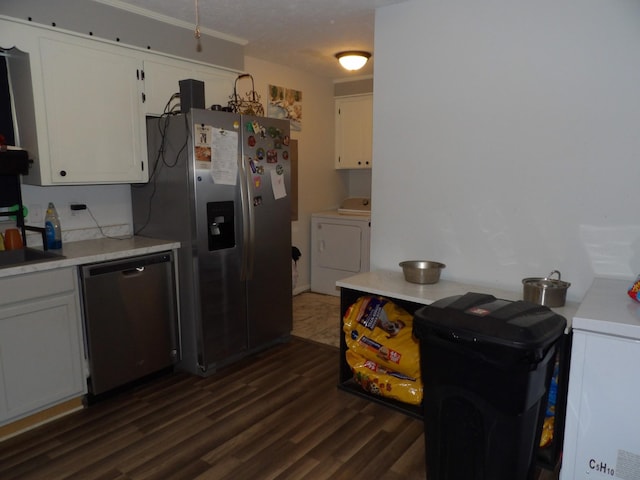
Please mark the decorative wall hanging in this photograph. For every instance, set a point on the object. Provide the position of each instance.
(285, 103)
(248, 105)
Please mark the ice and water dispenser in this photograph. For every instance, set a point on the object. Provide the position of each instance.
(221, 222)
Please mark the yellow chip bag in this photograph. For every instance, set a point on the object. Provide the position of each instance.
(381, 331)
(376, 379)
(547, 432)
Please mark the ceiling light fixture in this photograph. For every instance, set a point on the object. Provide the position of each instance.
(353, 60)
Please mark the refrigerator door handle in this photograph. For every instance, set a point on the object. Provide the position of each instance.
(251, 244)
(247, 222)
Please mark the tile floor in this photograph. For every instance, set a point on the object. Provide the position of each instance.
(316, 317)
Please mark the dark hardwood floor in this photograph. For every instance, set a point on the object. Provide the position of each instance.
(277, 415)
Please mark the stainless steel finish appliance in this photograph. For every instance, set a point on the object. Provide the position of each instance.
(131, 316)
(220, 185)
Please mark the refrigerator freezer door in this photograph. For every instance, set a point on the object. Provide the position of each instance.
(222, 292)
(266, 157)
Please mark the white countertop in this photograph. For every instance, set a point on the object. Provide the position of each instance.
(606, 308)
(392, 284)
(90, 251)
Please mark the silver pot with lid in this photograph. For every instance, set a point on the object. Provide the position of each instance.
(545, 291)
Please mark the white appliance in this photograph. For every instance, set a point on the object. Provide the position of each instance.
(602, 430)
(339, 247)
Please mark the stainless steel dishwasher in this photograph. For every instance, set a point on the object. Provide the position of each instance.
(130, 319)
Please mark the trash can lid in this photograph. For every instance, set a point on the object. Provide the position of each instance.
(482, 318)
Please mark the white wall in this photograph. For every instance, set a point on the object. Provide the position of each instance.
(507, 139)
(110, 206)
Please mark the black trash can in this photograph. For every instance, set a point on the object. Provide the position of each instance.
(486, 367)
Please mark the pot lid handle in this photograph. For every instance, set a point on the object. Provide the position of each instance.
(548, 277)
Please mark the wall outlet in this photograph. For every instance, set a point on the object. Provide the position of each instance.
(76, 208)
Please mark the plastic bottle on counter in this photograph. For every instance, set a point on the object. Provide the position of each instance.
(52, 226)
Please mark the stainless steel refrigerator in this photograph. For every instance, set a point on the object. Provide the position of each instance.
(220, 184)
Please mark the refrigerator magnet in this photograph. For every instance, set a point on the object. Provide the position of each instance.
(252, 165)
(285, 155)
(257, 201)
(259, 169)
(279, 169)
(260, 153)
(257, 181)
(251, 141)
(272, 156)
(255, 126)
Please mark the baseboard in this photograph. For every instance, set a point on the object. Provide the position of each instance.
(301, 289)
(40, 418)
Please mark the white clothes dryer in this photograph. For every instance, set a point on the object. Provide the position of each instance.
(339, 248)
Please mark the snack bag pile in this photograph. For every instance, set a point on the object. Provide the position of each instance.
(550, 415)
(634, 290)
(382, 351)
(376, 379)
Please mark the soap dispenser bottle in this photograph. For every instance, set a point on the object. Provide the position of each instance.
(52, 227)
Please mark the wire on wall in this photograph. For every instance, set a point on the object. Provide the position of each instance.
(160, 159)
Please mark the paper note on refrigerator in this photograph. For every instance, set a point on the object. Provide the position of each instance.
(277, 183)
(202, 144)
(224, 157)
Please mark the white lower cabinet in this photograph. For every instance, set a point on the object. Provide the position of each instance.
(41, 355)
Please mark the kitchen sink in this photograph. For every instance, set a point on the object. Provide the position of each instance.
(25, 256)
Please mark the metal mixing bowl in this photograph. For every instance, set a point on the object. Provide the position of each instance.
(421, 271)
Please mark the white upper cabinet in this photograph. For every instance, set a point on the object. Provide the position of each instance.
(95, 122)
(161, 81)
(354, 131)
(86, 108)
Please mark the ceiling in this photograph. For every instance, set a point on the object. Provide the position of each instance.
(304, 34)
